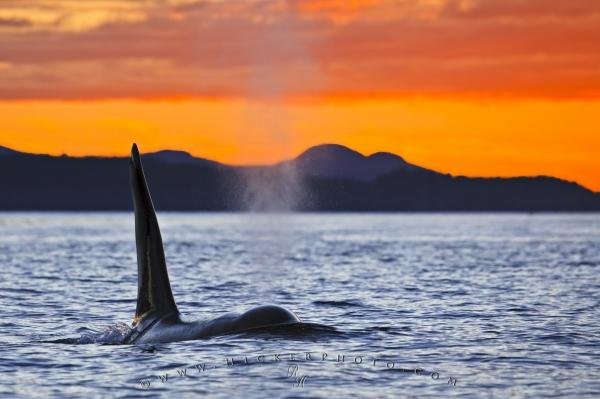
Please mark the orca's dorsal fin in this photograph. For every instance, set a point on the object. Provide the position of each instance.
(154, 291)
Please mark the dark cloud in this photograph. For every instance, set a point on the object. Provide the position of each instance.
(14, 22)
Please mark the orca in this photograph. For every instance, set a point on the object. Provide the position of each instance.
(157, 318)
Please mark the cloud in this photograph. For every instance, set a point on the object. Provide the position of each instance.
(293, 48)
(14, 22)
(521, 9)
(69, 16)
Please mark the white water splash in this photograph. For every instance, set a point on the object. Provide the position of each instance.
(113, 334)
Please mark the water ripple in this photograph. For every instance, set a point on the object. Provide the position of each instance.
(505, 304)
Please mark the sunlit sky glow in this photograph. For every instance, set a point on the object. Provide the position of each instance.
(473, 87)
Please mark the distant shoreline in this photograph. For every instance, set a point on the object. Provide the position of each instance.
(326, 178)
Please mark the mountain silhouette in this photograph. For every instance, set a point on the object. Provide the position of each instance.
(6, 151)
(328, 177)
(334, 161)
(178, 157)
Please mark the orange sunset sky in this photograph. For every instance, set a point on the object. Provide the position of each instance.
(472, 87)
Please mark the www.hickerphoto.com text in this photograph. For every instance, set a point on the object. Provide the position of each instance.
(379, 362)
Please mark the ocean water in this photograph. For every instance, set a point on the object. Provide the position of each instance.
(423, 305)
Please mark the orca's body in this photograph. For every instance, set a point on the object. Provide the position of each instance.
(157, 318)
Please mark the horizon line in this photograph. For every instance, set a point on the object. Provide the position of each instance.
(126, 155)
